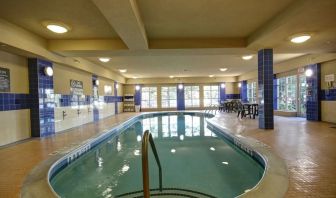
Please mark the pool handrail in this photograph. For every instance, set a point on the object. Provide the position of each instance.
(147, 137)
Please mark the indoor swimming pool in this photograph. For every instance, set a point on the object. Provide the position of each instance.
(194, 158)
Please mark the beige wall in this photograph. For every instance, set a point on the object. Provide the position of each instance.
(177, 80)
(15, 125)
(232, 88)
(328, 108)
(63, 75)
(18, 67)
(105, 82)
(327, 68)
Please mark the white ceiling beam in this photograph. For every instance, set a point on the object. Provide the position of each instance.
(124, 17)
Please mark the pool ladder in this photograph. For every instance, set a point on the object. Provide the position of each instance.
(147, 137)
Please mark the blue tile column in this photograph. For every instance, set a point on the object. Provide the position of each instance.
(95, 100)
(116, 97)
(313, 93)
(275, 92)
(243, 91)
(180, 98)
(137, 96)
(41, 98)
(222, 95)
(265, 87)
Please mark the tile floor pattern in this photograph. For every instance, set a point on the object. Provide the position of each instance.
(309, 149)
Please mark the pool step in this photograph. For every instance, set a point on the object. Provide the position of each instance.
(167, 192)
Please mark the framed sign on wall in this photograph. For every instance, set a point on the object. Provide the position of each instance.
(4, 80)
(76, 87)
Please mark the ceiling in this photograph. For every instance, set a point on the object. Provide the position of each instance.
(82, 16)
(207, 18)
(158, 38)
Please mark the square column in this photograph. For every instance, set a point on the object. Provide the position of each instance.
(243, 91)
(180, 97)
(265, 88)
(222, 94)
(313, 93)
(95, 98)
(116, 97)
(41, 98)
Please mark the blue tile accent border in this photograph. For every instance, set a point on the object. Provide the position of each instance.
(232, 96)
(14, 101)
(328, 95)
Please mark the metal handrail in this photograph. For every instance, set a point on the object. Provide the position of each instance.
(147, 137)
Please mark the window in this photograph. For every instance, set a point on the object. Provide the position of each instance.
(148, 97)
(252, 92)
(191, 96)
(286, 91)
(168, 97)
(211, 95)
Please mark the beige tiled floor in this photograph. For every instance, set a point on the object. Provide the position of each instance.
(309, 149)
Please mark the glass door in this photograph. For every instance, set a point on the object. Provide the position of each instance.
(302, 96)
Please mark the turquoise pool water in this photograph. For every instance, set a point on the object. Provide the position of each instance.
(192, 157)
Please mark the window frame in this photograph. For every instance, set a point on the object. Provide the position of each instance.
(252, 92)
(150, 98)
(192, 98)
(169, 97)
(213, 100)
(286, 95)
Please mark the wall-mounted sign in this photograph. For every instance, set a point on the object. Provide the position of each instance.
(329, 78)
(4, 80)
(76, 87)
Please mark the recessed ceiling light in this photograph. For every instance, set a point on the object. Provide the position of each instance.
(104, 60)
(211, 76)
(56, 27)
(134, 77)
(123, 70)
(247, 57)
(171, 76)
(223, 69)
(300, 38)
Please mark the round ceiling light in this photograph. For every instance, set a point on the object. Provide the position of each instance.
(247, 57)
(104, 60)
(223, 69)
(123, 70)
(180, 86)
(56, 27)
(300, 38)
(211, 76)
(137, 87)
(171, 76)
